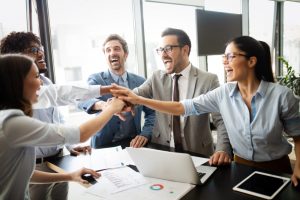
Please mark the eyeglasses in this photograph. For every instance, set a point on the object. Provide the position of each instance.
(35, 50)
(167, 49)
(230, 56)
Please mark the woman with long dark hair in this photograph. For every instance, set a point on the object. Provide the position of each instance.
(20, 134)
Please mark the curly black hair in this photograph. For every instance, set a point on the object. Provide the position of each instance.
(17, 42)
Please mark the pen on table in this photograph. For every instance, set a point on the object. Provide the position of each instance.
(99, 170)
(90, 158)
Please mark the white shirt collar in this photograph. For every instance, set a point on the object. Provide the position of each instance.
(116, 77)
(185, 72)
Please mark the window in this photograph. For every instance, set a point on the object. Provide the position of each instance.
(230, 6)
(168, 15)
(291, 37)
(78, 29)
(12, 16)
(261, 16)
(78, 34)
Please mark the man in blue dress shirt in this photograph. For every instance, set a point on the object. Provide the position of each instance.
(117, 131)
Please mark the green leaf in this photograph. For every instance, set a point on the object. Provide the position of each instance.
(290, 79)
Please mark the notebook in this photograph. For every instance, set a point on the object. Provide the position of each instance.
(170, 166)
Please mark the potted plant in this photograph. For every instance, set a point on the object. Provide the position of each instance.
(290, 79)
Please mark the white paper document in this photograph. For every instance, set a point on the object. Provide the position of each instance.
(126, 159)
(156, 189)
(153, 189)
(116, 180)
(123, 178)
(105, 158)
(199, 160)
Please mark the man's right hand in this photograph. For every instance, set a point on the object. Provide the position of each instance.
(125, 94)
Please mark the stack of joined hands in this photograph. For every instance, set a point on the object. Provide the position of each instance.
(131, 99)
(124, 94)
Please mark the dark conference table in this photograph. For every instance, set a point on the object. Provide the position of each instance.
(219, 185)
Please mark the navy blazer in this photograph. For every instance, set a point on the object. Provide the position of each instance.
(105, 136)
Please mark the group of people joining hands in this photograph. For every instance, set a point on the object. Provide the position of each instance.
(251, 111)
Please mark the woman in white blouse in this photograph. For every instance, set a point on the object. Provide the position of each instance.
(19, 133)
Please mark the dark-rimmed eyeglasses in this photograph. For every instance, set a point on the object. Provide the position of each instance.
(231, 56)
(167, 49)
(34, 50)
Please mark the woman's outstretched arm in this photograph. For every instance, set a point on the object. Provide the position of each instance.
(169, 107)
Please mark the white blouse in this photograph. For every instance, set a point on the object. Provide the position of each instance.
(19, 135)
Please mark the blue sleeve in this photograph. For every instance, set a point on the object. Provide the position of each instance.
(149, 116)
(94, 79)
(88, 105)
(149, 122)
(290, 115)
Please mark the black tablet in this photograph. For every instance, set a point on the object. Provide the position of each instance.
(262, 185)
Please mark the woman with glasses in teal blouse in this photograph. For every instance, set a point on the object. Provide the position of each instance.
(255, 110)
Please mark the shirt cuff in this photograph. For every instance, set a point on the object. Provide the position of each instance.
(95, 90)
(188, 107)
